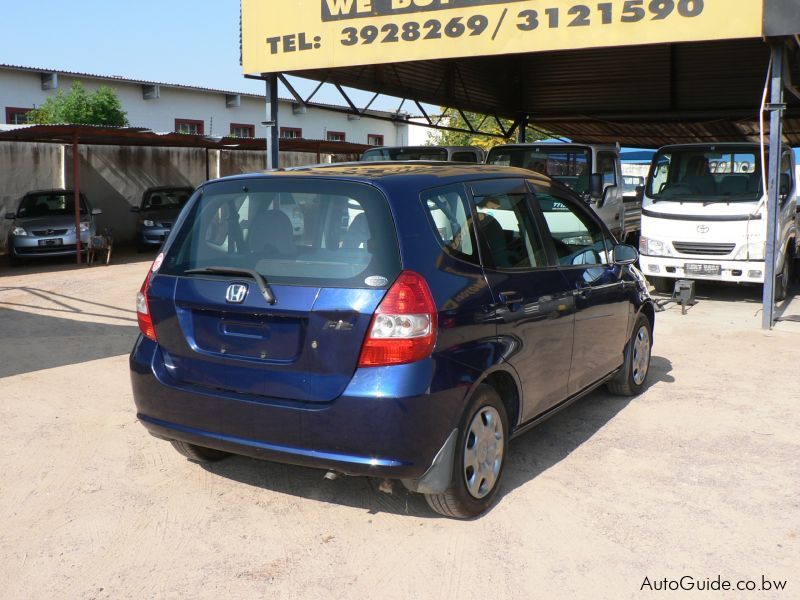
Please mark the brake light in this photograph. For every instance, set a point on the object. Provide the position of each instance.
(143, 310)
(403, 328)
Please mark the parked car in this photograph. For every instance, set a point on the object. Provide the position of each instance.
(470, 154)
(44, 225)
(158, 211)
(411, 345)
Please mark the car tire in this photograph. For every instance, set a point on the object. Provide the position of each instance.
(479, 461)
(638, 351)
(199, 453)
(663, 285)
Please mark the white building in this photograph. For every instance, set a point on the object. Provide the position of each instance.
(164, 107)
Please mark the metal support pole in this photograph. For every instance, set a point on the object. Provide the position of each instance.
(773, 183)
(521, 133)
(273, 152)
(76, 189)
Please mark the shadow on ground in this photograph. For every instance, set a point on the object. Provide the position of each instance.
(59, 264)
(529, 455)
(33, 342)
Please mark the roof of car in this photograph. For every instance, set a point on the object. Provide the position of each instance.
(425, 173)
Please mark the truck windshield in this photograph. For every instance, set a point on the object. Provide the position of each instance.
(706, 174)
(570, 165)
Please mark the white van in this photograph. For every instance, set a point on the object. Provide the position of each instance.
(704, 216)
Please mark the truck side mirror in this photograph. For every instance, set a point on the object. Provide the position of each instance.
(596, 186)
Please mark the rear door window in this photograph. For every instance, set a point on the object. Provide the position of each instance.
(506, 225)
(348, 237)
(451, 221)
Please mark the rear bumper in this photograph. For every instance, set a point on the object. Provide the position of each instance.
(733, 271)
(385, 424)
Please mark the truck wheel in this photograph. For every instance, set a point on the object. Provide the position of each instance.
(783, 279)
(479, 461)
(631, 377)
(199, 453)
(663, 285)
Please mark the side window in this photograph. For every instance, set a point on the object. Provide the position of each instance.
(577, 238)
(607, 165)
(506, 225)
(451, 221)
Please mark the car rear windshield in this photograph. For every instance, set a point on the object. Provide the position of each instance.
(293, 231)
(166, 199)
(417, 153)
(571, 165)
(49, 204)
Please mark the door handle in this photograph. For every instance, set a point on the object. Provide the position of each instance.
(583, 291)
(509, 298)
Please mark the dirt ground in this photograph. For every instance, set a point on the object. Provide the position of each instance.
(699, 476)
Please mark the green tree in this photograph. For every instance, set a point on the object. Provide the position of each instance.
(80, 107)
(441, 137)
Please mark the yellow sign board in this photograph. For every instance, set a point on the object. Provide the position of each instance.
(292, 35)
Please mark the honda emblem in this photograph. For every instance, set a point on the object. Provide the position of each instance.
(236, 293)
(702, 229)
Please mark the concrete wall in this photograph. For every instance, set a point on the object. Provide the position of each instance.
(25, 167)
(115, 177)
(23, 89)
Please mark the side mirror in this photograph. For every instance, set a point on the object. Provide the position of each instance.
(624, 254)
(11, 216)
(97, 211)
(607, 192)
(135, 209)
(596, 186)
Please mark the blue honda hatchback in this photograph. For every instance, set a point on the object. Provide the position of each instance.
(428, 313)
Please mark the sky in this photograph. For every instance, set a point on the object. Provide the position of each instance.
(189, 42)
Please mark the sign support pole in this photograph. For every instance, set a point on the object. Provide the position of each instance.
(273, 151)
(773, 183)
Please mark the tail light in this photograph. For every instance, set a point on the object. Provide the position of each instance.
(403, 328)
(143, 310)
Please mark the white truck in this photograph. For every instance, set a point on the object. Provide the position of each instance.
(704, 216)
(594, 172)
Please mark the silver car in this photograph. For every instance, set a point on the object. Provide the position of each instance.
(44, 225)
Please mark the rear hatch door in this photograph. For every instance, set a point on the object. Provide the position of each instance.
(219, 331)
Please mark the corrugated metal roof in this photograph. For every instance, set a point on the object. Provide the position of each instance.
(138, 136)
(638, 95)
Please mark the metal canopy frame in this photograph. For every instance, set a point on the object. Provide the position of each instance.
(667, 93)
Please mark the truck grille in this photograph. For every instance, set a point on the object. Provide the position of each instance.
(702, 249)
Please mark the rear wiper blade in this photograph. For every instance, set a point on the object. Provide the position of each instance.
(259, 278)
